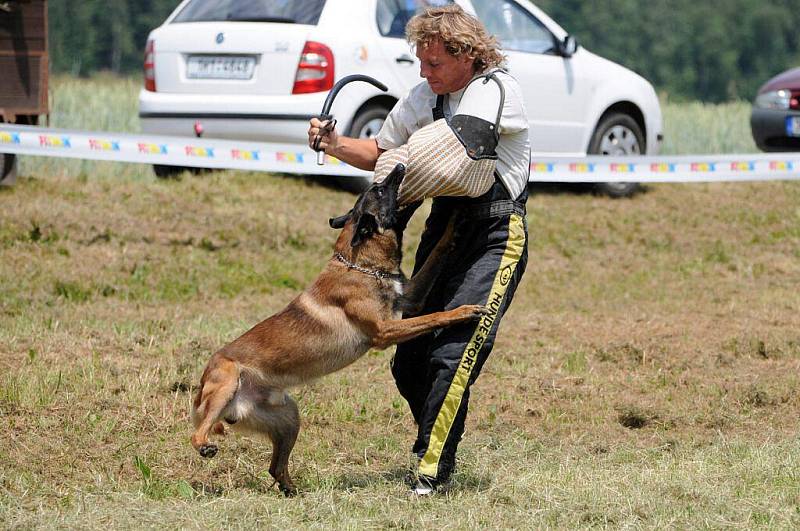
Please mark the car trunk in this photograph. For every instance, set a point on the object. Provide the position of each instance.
(228, 57)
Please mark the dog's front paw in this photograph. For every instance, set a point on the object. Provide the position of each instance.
(482, 310)
(208, 450)
(474, 311)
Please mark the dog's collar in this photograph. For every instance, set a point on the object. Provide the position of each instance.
(373, 273)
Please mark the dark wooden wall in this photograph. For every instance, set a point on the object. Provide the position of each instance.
(23, 58)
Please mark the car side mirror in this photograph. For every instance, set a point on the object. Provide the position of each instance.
(568, 47)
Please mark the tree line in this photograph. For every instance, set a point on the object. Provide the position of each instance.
(712, 51)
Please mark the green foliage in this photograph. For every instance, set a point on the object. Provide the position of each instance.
(689, 50)
(711, 51)
(94, 35)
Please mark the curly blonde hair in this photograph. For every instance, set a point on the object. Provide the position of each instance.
(460, 32)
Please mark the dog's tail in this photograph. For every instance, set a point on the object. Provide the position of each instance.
(218, 386)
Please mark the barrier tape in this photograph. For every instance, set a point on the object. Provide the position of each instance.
(291, 158)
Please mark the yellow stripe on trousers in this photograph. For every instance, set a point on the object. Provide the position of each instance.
(515, 244)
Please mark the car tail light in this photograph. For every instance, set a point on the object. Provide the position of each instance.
(315, 70)
(150, 66)
(794, 102)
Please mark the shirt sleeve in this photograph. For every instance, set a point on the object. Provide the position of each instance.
(398, 126)
(514, 118)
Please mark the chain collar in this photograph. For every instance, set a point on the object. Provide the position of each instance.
(373, 273)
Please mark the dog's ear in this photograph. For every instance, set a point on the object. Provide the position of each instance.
(338, 223)
(367, 225)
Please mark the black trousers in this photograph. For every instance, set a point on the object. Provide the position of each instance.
(434, 372)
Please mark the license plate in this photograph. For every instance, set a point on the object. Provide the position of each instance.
(793, 125)
(220, 67)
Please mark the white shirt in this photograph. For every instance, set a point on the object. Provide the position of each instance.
(414, 111)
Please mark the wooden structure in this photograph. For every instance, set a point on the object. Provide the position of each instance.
(24, 67)
(23, 58)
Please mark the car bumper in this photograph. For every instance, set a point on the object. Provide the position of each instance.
(768, 127)
(256, 118)
(257, 128)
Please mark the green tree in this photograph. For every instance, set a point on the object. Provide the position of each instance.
(712, 51)
(97, 35)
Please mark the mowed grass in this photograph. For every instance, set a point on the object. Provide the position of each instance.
(646, 375)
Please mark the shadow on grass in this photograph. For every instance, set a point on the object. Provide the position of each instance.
(574, 189)
(362, 480)
(207, 489)
(331, 182)
(461, 481)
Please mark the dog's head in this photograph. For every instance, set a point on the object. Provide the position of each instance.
(375, 210)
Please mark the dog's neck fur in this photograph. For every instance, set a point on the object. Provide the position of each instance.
(382, 252)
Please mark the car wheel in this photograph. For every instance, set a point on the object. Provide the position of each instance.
(368, 122)
(617, 135)
(366, 125)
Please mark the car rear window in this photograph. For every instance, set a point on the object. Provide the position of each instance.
(281, 11)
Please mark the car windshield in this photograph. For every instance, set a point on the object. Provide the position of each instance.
(515, 28)
(284, 11)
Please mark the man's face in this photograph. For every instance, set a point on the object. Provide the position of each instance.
(444, 73)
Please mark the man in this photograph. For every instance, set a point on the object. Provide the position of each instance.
(434, 373)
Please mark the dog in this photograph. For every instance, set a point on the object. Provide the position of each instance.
(355, 304)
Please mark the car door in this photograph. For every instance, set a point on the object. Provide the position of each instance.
(391, 17)
(556, 97)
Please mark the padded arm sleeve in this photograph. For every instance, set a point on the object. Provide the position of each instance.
(477, 119)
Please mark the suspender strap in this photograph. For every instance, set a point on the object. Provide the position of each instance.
(438, 111)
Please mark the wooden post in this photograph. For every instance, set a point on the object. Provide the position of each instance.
(24, 64)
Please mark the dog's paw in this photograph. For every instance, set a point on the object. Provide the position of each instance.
(475, 311)
(483, 311)
(288, 489)
(208, 450)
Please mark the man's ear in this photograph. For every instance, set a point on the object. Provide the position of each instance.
(338, 223)
(366, 227)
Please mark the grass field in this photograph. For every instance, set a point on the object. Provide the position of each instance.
(646, 375)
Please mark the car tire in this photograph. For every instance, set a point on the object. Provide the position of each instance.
(366, 124)
(617, 135)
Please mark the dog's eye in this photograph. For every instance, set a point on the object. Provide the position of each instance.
(380, 191)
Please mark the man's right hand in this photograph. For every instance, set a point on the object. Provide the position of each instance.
(328, 138)
(359, 152)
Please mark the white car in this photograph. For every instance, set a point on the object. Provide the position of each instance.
(260, 69)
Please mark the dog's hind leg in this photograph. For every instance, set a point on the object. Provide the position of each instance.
(284, 434)
(217, 387)
(277, 417)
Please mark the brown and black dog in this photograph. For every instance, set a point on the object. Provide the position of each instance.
(354, 305)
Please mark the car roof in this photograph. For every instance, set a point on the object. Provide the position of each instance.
(786, 80)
